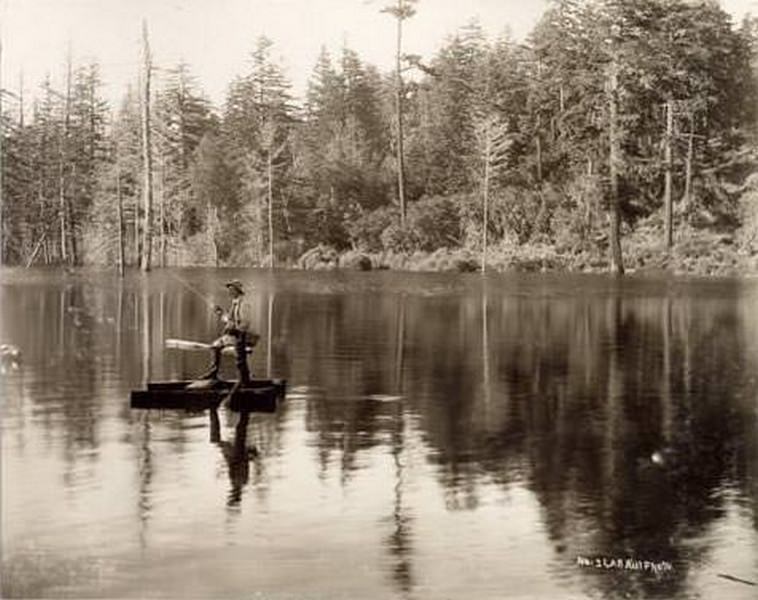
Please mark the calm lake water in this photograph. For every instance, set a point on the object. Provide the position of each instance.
(443, 436)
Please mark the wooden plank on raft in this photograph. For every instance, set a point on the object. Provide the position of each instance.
(177, 344)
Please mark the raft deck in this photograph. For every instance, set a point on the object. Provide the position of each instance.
(258, 395)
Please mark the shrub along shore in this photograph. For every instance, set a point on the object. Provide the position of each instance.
(697, 253)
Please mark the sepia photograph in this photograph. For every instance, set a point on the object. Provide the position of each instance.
(379, 299)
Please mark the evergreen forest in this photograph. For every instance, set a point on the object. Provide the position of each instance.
(619, 135)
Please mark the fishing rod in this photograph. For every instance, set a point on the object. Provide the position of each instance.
(187, 285)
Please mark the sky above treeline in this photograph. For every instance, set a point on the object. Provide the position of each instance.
(216, 37)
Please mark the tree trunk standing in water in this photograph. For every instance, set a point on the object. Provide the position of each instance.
(62, 160)
(485, 203)
(2, 166)
(147, 157)
(588, 208)
(137, 235)
(211, 228)
(120, 207)
(493, 144)
(668, 209)
(270, 192)
(270, 130)
(617, 265)
(688, 164)
(72, 247)
(260, 241)
(538, 134)
(399, 117)
(538, 148)
(62, 204)
(401, 11)
(162, 209)
(40, 244)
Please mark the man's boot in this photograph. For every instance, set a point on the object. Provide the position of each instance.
(244, 372)
(242, 366)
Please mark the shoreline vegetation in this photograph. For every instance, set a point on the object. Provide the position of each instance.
(617, 137)
(720, 260)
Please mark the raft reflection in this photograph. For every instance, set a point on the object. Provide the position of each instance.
(236, 453)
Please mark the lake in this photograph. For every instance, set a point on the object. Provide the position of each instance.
(443, 436)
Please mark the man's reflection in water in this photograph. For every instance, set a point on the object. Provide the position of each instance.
(236, 453)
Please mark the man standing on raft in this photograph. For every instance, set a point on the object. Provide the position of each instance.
(236, 333)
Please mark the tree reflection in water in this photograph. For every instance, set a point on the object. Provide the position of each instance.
(625, 414)
(400, 542)
(589, 402)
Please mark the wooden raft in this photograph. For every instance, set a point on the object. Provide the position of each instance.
(258, 395)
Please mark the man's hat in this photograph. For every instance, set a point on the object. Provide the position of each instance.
(236, 284)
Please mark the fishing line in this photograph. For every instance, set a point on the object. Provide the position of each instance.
(187, 285)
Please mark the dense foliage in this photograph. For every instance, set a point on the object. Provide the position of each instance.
(504, 138)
